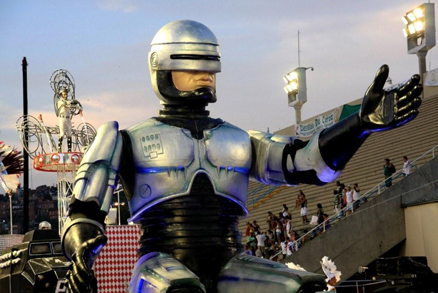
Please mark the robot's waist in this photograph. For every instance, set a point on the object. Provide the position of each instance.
(209, 219)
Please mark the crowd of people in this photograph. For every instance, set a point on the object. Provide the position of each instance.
(346, 197)
(281, 240)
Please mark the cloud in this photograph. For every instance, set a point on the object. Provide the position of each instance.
(126, 6)
(127, 107)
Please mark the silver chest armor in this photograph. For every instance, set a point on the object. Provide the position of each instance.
(168, 158)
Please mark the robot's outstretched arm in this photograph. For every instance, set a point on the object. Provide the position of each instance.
(282, 159)
(83, 235)
(286, 160)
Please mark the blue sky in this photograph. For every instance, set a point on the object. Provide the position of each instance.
(104, 45)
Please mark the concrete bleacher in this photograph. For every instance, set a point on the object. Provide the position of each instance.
(375, 229)
(365, 168)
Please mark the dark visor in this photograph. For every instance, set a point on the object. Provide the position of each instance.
(195, 57)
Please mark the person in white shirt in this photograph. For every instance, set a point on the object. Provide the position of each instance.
(288, 226)
(349, 197)
(406, 166)
(289, 248)
(283, 245)
(261, 242)
(356, 196)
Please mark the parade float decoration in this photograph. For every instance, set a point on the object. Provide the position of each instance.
(48, 156)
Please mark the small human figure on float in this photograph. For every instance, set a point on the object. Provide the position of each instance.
(66, 109)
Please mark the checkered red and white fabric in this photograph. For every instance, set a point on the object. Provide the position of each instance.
(116, 261)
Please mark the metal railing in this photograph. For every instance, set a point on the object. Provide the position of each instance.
(370, 194)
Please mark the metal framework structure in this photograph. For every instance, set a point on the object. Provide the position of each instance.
(41, 146)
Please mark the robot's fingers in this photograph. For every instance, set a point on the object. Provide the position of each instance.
(69, 286)
(80, 278)
(409, 85)
(80, 265)
(380, 79)
(409, 107)
(404, 100)
(406, 118)
(72, 284)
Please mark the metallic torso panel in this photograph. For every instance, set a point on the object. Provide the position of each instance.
(167, 159)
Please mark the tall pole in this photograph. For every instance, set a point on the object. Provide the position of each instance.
(298, 114)
(422, 67)
(10, 213)
(26, 158)
(118, 207)
(299, 49)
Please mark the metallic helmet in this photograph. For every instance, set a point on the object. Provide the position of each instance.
(44, 225)
(183, 45)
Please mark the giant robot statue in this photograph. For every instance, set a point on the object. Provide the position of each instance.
(186, 175)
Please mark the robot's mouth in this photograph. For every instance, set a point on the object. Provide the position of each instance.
(205, 82)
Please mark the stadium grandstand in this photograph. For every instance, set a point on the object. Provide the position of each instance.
(366, 168)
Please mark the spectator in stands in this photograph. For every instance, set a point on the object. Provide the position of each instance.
(270, 234)
(302, 202)
(251, 240)
(278, 230)
(249, 229)
(270, 220)
(283, 245)
(280, 219)
(293, 239)
(406, 166)
(320, 213)
(327, 224)
(388, 170)
(289, 248)
(356, 196)
(248, 249)
(339, 187)
(261, 242)
(255, 226)
(349, 200)
(337, 202)
(287, 228)
(286, 212)
(271, 246)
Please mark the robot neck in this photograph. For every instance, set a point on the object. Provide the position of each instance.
(179, 111)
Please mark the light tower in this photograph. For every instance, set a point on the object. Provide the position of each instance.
(296, 89)
(420, 32)
(41, 146)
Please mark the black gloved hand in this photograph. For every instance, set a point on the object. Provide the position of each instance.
(80, 277)
(383, 110)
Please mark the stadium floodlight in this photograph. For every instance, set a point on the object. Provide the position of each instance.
(420, 32)
(420, 26)
(296, 89)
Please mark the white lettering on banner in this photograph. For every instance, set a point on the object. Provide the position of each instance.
(318, 124)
